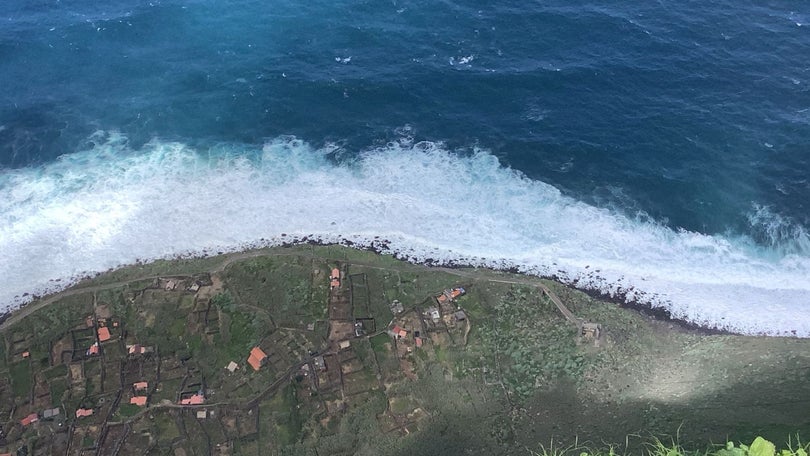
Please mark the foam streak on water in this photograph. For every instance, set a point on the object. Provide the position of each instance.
(110, 206)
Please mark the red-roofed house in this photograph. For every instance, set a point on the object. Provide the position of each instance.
(196, 399)
(396, 329)
(83, 412)
(335, 278)
(32, 418)
(26, 354)
(257, 358)
(138, 386)
(402, 333)
(93, 350)
(140, 401)
(103, 334)
(418, 341)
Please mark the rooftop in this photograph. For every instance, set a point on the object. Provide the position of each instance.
(103, 334)
(256, 358)
(196, 399)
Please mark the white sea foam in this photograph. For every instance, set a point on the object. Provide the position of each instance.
(108, 206)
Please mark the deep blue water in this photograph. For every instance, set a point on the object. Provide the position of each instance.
(693, 115)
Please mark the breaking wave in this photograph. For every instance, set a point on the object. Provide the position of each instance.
(111, 205)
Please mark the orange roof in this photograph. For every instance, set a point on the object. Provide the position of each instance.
(418, 341)
(403, 333)
(103, 334)
(140, 385)
(335, 283)
(335, 273)
(256, 357)
(93, 350)
(138, 400)
(442, 298)
(83, 412)
(32, 418)
(196, 399)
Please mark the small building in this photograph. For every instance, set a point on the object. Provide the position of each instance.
(231, 367)
(334, 279)
(319, 363)
(51, 413)
(103, 334)
(196, 399)
(399, 332)
(344, 345)
(93, 350)
(170, 285)
(418, 341)
(140, 401)
(434, 314)
(32, 418)
(591, 330)
(359, 328)
(257, 358)
(397, 307)
(202, 414)
(81, 413)
(460, 315)
(194, 287)
(140, 386)
(26, 354)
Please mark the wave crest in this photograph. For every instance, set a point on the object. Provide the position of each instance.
(110, 205)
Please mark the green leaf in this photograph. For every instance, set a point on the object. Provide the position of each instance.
(801, 452)
(762, 447)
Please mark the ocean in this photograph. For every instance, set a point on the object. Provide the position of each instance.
(653, 151)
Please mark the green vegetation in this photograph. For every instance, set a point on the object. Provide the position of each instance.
(20, 374)
(508, 374)
(656, 447)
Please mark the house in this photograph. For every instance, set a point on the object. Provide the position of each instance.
(460, 315)
(418, 341)
(140, 386)
(334, 278)
(194, 287)
(397, 307)
(50, 413)
(196, 399)
(344, 345)
(93, 350)
(402, 333)
(433, 313)
(319, 362)
(231, 367)
(83, 412)
(140, 401)
(202, 414)
(32, 418)
(103, 334)
(257, 358)
(26, 354)
(457, 292)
